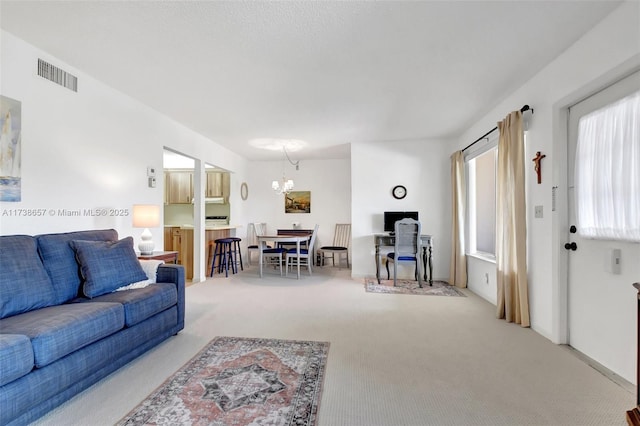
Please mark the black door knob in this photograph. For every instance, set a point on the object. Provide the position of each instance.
(571, 246)
(573, 229)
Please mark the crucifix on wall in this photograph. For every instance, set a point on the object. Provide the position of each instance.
(538, 165)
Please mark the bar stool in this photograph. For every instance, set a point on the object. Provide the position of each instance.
(210, 256)
(222, 251)
(237, 252)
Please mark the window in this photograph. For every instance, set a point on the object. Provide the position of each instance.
(481, 176)
(607, 174)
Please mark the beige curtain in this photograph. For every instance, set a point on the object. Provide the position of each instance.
(458, 265)
(511, 232)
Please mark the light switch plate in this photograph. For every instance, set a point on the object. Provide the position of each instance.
(616, 261)
(538, 212)
(151, 171)
(152, 182)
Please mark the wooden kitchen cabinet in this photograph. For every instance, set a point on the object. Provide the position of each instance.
(214, 184)
(173, 240)
(176, 239)
(186, 252)
(179, 185)
(217, 185)
(226, 180)
(168, 239)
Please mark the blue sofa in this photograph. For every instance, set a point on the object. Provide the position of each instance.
(63, 327)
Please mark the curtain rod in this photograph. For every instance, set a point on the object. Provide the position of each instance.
(523, 109)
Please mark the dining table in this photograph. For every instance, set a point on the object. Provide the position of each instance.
(277, 239)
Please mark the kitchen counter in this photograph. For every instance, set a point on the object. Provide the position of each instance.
(207, 228)
(211, 228)
(181, 237)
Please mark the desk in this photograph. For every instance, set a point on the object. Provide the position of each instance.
(167, 256)
(387, 240)
(277, 239)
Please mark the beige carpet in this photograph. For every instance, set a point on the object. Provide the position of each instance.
(394, 360)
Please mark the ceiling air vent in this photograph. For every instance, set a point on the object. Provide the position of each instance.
(57, 75)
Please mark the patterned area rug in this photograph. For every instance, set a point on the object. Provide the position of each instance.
(439, 288)
(241, 381)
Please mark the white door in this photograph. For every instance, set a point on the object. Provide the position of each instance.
(601, 304)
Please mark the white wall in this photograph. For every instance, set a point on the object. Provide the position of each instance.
(329, 182)
(610, 50)
(91, 149)
(423, 167)
(481, 275)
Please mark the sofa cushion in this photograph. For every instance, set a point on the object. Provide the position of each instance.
(57, 331)
(142, 303)
(107, 265)
(60, 260)
(24, 283)
(16, 357)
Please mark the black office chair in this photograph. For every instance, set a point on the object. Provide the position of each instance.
(406, 248)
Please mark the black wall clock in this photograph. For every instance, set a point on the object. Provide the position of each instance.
(399, 192)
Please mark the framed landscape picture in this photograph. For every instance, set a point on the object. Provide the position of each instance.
(10, 161)
(297, 202)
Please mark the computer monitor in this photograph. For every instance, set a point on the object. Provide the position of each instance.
(390, 219)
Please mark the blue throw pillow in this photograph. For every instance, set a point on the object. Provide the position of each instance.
(107, 265)
(60, 260)
(24, 283)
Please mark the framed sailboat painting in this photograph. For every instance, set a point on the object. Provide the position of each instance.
(10, 144)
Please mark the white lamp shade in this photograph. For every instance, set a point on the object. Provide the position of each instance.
(289, 185)
(146, 215)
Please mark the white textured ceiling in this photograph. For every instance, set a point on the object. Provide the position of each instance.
(330, 73)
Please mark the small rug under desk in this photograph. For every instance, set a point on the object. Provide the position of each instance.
(439, 288)
(241, 381)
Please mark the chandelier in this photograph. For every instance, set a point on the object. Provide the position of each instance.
(284, 186)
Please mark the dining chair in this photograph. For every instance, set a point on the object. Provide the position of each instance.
(340, 247)
(254, 230)
(305, 256)
(406, 247)
(270, 256)
(273, 256)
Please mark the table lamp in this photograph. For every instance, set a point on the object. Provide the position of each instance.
(146, 216)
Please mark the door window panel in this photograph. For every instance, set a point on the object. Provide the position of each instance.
(607, 172)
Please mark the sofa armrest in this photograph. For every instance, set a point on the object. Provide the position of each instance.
(170, 273)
